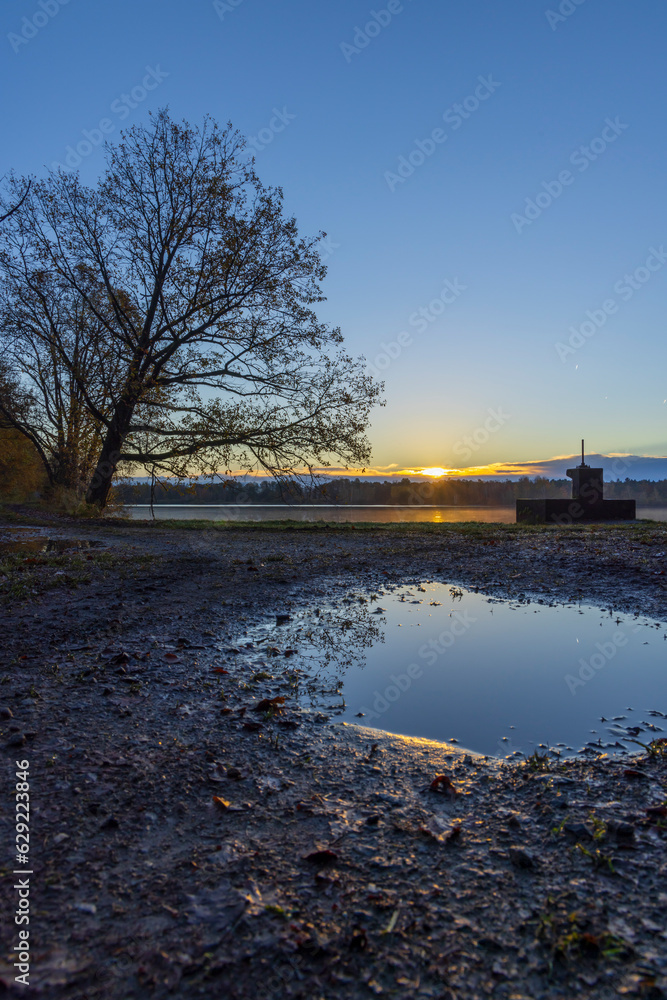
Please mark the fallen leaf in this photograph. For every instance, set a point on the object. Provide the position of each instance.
(443, 784)
(220, 670)
(223, 803)
(270, 704)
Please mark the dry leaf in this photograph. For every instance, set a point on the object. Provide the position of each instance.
(443, 784)
(270, 704)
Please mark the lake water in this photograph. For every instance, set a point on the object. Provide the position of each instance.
(319, 512)
(499, 677)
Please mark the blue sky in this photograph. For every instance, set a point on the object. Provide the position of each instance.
(332, 111)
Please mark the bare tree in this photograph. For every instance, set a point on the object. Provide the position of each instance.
(59, 370)
(208, 305)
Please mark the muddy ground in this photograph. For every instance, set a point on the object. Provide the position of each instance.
(186, 842)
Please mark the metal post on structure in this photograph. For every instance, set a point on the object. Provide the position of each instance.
(582, 452)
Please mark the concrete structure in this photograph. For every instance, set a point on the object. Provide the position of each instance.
(587, 503)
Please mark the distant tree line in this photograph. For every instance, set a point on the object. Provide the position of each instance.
(463, 492)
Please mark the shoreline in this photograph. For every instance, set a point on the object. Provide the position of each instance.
(275, 854)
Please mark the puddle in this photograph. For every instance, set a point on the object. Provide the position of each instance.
(37, 546)
(499, 677)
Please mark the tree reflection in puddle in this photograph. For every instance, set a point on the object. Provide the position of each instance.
(323, 644)
(497, 676)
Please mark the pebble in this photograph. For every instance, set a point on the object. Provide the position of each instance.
(623, 831)
(6, 713)
(521, 858)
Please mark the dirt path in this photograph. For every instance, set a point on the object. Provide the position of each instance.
(185, 844)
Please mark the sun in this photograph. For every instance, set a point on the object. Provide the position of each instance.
(437, 472)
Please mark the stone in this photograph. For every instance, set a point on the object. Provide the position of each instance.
(521, 858)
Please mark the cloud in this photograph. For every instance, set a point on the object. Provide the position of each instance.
(615, 465)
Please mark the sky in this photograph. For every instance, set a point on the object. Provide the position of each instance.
(490, 176)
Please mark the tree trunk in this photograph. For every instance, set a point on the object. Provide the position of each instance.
(102, 478)
(152, 492)
(100, 483)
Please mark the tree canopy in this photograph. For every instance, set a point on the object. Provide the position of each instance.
(165, 318)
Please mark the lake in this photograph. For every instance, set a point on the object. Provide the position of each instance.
(320, 512)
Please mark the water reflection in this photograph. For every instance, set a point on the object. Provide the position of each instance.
(323, 644)
(328, 514)
(499, 677)
(338, 514)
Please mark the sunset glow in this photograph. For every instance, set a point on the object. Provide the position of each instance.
(436, 472)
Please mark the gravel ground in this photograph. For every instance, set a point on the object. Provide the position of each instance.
(186, 842)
